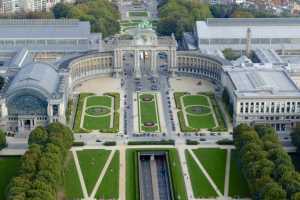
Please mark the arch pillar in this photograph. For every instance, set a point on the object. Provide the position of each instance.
(137, 68)
(154, 63)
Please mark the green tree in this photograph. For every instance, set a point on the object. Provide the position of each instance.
(229, 54)
(38, 136)
(273, 191)
(61, 10)
(102, 14)
(178, 16)
(241, 14)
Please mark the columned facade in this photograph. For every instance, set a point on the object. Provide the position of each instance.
(200, 65)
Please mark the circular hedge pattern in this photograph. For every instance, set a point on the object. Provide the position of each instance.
(146, 97)
(97, 110)
(197, 110)
(149, 124)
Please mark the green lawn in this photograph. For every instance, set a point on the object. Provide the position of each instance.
(72, 187)
(200, 184)
(198, 122)
(214, 161)
(91, 163)
(8, 167)
(96, 123)
(147, 112)
(238, 186)
(132, 186)
(99, 101)
(109, 187)
(132, 190)
(195, 121)
(195, 100)
(177, 176)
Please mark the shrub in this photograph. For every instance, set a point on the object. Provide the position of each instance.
(109, 143)
(78, 144)
(191, 142)
(177, 96)
(2, 140)
(225, 142)
(161, 142)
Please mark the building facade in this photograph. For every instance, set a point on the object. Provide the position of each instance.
(35, 96)
(15, 6)
(263, 95)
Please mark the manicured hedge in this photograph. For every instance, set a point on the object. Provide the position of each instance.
(3, 142)
(191, 142)
(177, 96)
(78, 144)
(225, 142)
(109, 143)
(69, 110)
(161, 142)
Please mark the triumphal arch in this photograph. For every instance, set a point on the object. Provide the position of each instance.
(144, 42)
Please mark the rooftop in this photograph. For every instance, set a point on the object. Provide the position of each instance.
(43, 28)
(37, 75)
(260, 28)
(261, 81)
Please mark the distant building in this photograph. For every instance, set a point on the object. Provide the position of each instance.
(272, 33)
(13, 6)
(263, 95)
(51, 35)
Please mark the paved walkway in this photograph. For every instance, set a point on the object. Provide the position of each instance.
(206, 173)
(185, 172)
(79, 172)
(102, 174)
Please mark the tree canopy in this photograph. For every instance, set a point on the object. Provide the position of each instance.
(102, 14)
(42, 165)
(177, 16)
(266, 166)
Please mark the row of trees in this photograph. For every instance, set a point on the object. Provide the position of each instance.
(178, 16)
(102, 14)
(41, 167)
(267, 167)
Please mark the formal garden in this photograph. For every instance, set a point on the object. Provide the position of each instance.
(198, 111)
(214, 163)
(148, 112)
(97, 113)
